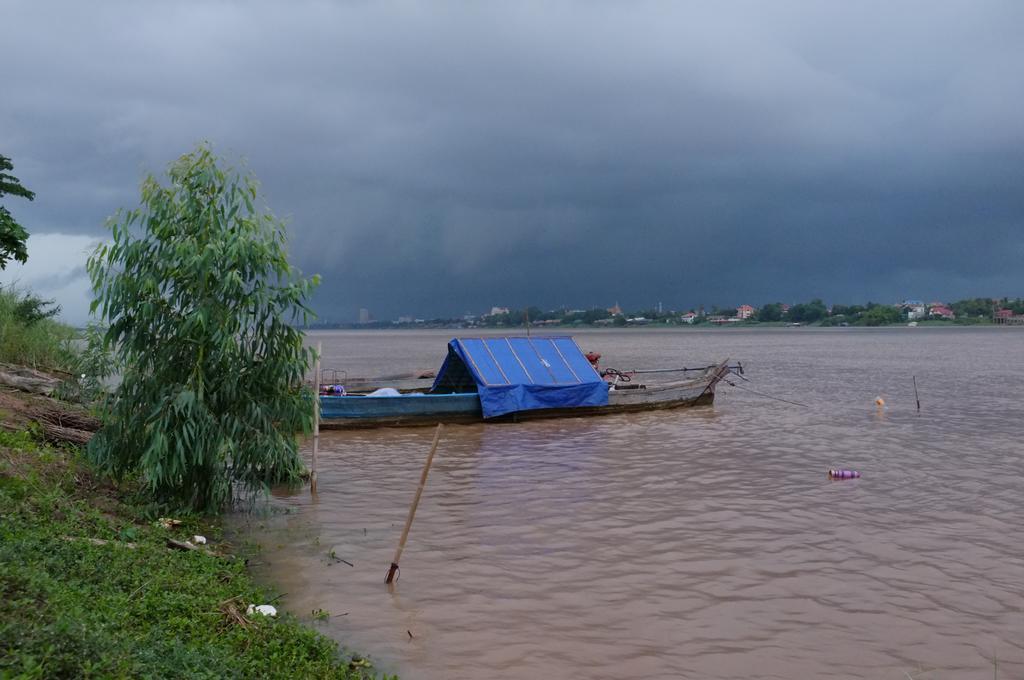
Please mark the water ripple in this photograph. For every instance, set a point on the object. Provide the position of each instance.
(688, 544)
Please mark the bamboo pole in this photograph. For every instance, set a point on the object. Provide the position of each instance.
(915, 395)
(316, 416)
(412, 509)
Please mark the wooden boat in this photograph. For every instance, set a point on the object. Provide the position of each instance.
(509, 379)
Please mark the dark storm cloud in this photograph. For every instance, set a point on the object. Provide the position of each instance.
(442, 157)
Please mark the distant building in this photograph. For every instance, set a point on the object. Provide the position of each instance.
(942, 311)
(495, 311)
(689, 317)
(365, 316)
(915, 309)
(405, 319)
(1006, 316)
(785, 308)
(745, 311)
(616, 310)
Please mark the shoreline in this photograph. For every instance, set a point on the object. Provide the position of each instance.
(97, 580)
(703, 327)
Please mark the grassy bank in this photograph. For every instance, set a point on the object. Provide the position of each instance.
(90, 589)
(28, 334)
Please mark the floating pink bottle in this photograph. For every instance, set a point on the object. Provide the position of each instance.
(843, 474)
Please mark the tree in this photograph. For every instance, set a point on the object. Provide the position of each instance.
(973, 307)
(808, 312)
(31, 309)
(12, 234)
(880, 315)
(199, 297)
(770, 312)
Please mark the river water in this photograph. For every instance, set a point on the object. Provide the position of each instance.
(696, 543)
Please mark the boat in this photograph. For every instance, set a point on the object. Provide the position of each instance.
(513, 378)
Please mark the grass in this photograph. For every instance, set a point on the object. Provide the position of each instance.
(29, 337)
(89, 588)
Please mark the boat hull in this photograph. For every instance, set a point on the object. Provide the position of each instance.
(365, 411)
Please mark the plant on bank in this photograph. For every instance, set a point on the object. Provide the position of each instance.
(92, 365)
(30, 336)
(199, 298)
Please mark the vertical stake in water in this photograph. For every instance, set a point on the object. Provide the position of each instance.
(917, 398)
(316, 416)
(412, 509)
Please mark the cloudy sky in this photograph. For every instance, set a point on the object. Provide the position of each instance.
(443, 157)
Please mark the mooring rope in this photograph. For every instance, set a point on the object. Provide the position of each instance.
(762, 394)
(640, 371)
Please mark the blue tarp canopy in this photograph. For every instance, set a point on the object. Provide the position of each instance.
(521, 373)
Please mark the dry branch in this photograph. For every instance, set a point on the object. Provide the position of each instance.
(60, 422)
(100, 541)
(28, 379)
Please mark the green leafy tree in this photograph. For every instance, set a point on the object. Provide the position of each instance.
(12, 234)
(848, 310)
(973, 307)
(770, 312)
(32, 309)
(880, 315)
(586, 317)
(200, 301)
(808, 312)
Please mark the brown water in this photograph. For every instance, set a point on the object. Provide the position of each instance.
(701, 543)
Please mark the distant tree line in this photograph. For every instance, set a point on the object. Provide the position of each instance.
(984, 307)
(969, 311)
(972, 310)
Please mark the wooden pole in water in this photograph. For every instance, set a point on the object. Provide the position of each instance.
(412, 509)
(917, 398)
(316, 416)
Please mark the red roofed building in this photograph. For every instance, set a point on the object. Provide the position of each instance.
(1007, 316)
(942, 311)
(744, 311)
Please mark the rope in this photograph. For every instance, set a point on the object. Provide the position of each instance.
(787, 401)
(679, 370)
(762, 394)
